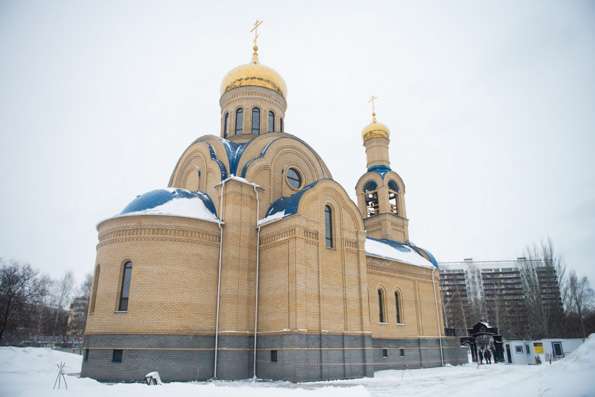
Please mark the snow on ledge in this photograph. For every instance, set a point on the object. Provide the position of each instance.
(406, 255)
(241, 180)
(271, 218)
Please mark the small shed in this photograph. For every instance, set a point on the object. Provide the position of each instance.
(539, 351)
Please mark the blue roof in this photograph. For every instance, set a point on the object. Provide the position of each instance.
(234, 153)
(289, 204)
(158, 197)
(393, 185)
(222, 168)
(370, 186)
(407, 247)
(260, 155)
(380, 169)
(426, 253)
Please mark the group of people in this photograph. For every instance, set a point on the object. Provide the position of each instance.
(485, 355)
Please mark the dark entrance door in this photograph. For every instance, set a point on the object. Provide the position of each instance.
(508, 357)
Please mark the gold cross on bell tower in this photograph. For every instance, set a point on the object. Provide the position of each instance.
(372, 100)
(254, 42)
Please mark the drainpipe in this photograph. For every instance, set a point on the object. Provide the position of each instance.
(437, 317)
(256, 280)
(220, 223)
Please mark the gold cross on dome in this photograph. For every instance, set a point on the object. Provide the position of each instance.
(372, 100)
(255, 30)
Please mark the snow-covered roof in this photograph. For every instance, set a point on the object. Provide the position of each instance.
(173, 202)
(285, 206)
(402, 252)
(241, 180)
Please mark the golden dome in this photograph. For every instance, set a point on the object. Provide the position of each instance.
(375, 130)
(254, 74)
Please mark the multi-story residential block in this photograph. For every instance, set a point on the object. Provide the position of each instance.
(496, 291)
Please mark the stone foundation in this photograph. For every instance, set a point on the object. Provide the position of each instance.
(300, 357)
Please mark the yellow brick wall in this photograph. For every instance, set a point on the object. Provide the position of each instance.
(421, 312)
(173, 276)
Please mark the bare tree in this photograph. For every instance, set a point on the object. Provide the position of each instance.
(77, 317)
(41, 318)
(580, 298)
(18, 287)
(85, 287)
(544, 277)
(62, 294)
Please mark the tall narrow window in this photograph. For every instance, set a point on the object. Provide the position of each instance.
(328, 226)
(255, 121)
(271, 123)
(225, 124)
(125, 290)
(398, 306)
(281, 124)
(371, 198)
(95, 285)
(393, 197)
(381, 308)
(239, 121)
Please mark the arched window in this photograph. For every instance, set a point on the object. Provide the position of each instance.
(281, 124)
(239, 121)
(255, 121)
(398, 307)
(95, 285)
(393, 197)
(328, 226)
(198, 175)
(271, 123)
(225, 124)
(381, 307)
(371, 198)
(125, 289)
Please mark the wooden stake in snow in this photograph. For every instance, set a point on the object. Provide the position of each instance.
(60, 378)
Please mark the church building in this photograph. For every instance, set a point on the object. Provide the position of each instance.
(255, 262)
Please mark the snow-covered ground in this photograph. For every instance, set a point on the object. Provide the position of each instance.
(32, 371)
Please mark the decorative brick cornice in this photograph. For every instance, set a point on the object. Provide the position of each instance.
(278, 236)
(350, 244)
(242, 93)
(310, 236)
(155, 233)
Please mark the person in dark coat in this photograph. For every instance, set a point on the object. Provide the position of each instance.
(488, 356)
(480, 357)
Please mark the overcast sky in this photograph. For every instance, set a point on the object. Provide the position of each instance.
(491, 107)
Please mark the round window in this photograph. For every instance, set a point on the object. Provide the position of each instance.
(294, 178)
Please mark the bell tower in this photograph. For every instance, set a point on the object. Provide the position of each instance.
(381, 191)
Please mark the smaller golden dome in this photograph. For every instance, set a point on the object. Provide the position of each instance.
(254, 74)
(375, 130)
